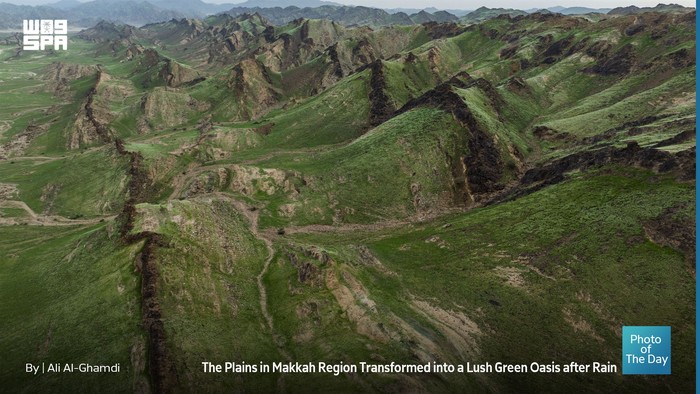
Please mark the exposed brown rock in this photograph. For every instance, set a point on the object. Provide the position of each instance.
(439, 30)
(363, 52)
(333, 55)
(176, 75)
(381, 108)
(20, 141)
(90, 123)
(133, 50)
(150, 58)
(618, 63)
(59, 74)
(509, 51)
(681, 164)
(160, 366)
(308, 272)
(482, 166)
(251, 83)
(549, 134)
(679, 138)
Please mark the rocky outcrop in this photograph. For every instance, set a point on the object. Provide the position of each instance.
(161, 70)
(160, 366)
(679, 59)
(631, 127)
(132, 51)
(337, 68)
(679, 138)
(681, 164)
(381, 108)
(161, 369)
(150, 58)
(58, 75)
(176, 75)
(91, 120)
(91, 114)
(443, 30)
(309, 263)
(252, 86)
(107, 31)
(612, 56)
(549, 134)
(608, 62)
(165, 107)
(363, 53)
(481, 168)
(19, 142)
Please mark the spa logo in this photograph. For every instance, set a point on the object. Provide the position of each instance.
(40, 34)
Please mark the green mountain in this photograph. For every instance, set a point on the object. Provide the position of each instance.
(231, 189)
(483, 13)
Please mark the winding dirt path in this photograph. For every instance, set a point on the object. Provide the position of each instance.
(43, 159)
(342, 228)
(44, 220)
(252, 217)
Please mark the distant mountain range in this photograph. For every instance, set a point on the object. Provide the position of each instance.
(137, 12)
(672, 8)
(285, 3)
(87, 14)
(573, 10)
(345, 15)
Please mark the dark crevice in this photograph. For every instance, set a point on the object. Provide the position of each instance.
(381, 108)
(483, 162)
(161, 370)
(100, 129)
(681, 165)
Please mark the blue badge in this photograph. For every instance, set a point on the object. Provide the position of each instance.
(646, 350)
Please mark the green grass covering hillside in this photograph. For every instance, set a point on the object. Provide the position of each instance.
(70, 295)
(371, 179)
(87, 184)
(219, 288)
(551, 276)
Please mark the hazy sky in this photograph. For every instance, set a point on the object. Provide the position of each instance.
(459, 4)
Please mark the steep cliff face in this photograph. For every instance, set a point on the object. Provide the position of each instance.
(681, 165)
(165, 107)
(177, 75)
(91, 119)
(381, 107)
(250, 84)
(482, 170)
(58, 76)
(161, 370)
